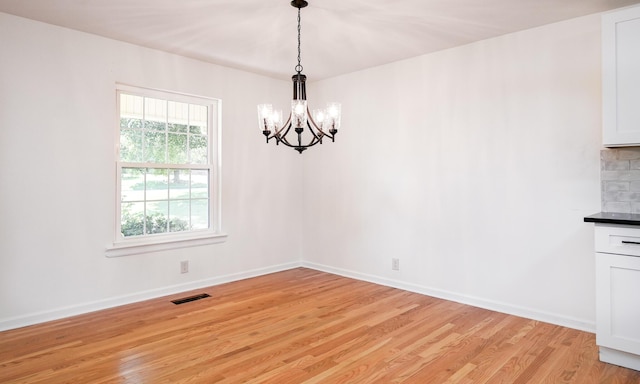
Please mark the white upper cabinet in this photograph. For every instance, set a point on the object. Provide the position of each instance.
(621, 77)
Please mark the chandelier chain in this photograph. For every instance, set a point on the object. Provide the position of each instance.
(299, 66)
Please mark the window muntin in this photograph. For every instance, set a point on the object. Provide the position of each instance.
(166, 173)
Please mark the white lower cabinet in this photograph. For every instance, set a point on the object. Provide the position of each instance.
(618, 294)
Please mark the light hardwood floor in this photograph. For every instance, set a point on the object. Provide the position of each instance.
(302, 326)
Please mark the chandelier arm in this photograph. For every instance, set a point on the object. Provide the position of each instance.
(311, 144)
(285, 125)
(283, 139)
(309, 117)
(288, 144)
(316, 138)
(316, 135)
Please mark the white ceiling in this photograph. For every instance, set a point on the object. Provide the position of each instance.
(338, 36)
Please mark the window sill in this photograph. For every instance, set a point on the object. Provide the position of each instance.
(126, 248)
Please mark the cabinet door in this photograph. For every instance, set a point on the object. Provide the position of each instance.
(621, 77)
(618, 302)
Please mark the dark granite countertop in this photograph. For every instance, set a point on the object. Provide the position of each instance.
(614, 218)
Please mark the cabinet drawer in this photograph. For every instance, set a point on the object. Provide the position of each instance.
(621, 240)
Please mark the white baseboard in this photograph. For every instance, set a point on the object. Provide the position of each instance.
(623, 359)
(565, 321)
(60, 313)
(56, 314)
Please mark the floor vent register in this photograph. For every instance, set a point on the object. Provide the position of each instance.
(190, 298)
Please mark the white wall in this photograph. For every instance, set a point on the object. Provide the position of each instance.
(475, 167)
(57, 135)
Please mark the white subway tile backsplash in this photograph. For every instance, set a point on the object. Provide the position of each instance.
(618, 186)
(629, 153)
(616, 165)
(620, 180)
(616, 207)
(628, 196)
(620, 175)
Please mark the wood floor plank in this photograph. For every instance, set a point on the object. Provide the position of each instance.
(302, 326)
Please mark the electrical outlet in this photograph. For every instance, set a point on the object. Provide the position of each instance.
(184, 266)
(395, 264)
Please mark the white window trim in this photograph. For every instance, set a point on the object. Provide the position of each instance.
(160, 242)
(126, 248)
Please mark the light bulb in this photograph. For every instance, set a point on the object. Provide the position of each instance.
(299, 113)
(276, 118)
(334, 110)
(265, 121)
(318, 116)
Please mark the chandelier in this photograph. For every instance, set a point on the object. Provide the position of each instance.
(309, 128)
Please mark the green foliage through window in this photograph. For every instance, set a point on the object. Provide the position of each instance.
(134, 224)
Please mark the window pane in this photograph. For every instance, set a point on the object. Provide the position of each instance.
(198, 149)
(132, 184)
(177, 147)
(198, 130)
(200, 214)
(155, 110)
(132, 219)
(178, 116)
(159, 126)
(157, 185)
(130, 123)
(131, 106)
(157, 213)
(199, 183)
(177, 128)
(178, 184)
(131, 145)
(198, 119)
(179, 216)
(154, 147)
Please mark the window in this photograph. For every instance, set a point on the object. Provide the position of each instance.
(168, 178)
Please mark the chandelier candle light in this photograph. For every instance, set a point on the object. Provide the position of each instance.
(323, 122)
